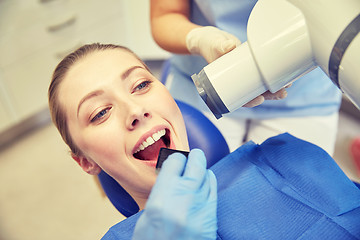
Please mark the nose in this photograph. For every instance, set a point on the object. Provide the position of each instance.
(137, 115)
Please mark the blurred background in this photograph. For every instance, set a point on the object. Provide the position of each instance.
(43, 194)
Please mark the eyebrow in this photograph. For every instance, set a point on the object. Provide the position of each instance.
(95, 93)
(129, 71)
(87, 97)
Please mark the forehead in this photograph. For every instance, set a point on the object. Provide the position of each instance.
(91, 71)
(103, 62)
(96, 67)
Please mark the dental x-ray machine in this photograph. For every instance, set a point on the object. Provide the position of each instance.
(286, 39)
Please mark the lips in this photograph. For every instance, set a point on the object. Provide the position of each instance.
(150, 147)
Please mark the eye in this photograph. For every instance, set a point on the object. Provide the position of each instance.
(100, 115)
(142, 86)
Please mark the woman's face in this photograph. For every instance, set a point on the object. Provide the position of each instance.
(119, 116)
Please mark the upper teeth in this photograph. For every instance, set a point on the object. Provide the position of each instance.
(151, 140)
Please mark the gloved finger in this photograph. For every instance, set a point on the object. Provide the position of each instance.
(222, 47)
(228, 45)
(289, 85)
(211, 208)
(213, 185)
(233, 38)
(173, 166)
(195, 169)
(281, 94)
(255, 102)
(207, 192)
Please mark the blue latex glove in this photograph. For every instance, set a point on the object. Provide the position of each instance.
(182, 203)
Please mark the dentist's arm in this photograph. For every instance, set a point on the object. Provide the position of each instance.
(174, 32)
(170, 24)
(182, 203)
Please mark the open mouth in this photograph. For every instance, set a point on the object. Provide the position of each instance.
(149, 149)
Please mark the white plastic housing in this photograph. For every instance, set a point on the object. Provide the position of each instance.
(280, 43)
(349, 72)
(286, 39)
(235, 77)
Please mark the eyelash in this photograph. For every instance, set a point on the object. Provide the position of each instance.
(147, 85)
(100, 115)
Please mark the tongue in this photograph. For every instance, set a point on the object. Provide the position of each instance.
(151, 152)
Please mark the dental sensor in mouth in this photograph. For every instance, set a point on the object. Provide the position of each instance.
(163, 155)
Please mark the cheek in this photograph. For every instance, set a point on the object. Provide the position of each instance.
(105, 145)
(167, 106)
(165, 101)
(173, 114)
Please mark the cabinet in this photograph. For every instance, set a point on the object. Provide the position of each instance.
(36, 34)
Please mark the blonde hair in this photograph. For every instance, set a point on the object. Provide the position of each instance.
(57, 113)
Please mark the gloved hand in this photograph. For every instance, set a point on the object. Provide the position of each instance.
(211, 43)
(182, 203)
(281, 94)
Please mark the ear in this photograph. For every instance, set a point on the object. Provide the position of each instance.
(88, 166)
